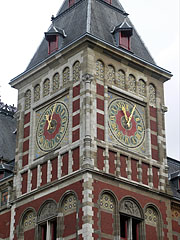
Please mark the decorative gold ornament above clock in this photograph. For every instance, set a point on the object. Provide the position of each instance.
(126, 122)
(52, 126)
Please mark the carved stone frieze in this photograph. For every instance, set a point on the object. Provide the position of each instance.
(49, 210)
(130, 208)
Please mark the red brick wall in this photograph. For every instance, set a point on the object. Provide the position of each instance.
(75, 135)
(155, 177)
(151, 232)
(75, 157)
(123, 166)
(43, 174)
(100, 158)
(27, 118)
(69, 224)
(25, 160)
(34, 178)
(5, 221)
(29, 235)
(145, 173)
(65, 158)
(106, 223)
(26, 145)
(24, 182)
(112, 158)
(54, 163)
(134, 165)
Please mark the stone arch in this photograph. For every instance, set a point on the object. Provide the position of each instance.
(152, 94)
(76, 71)
(100, 70)
(27, 223)
(68, 208)
(111, 74)
(132, 83)
(56, 82)
(131, 219)
(37, 90)
(66, 75)
(107, 213)
(46, 87)
(121, 79)
(142, 87)
(28, 99)
(153, 222)
(47, 210)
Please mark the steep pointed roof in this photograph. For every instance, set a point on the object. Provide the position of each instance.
(96, 18)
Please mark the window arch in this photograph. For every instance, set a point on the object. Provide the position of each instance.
(152, 222)
(121, 80)
(28, 99)
(152, 94)
(142, 87)
(46, 87)
(68, 209)
(99, 70)
(132, 83)
(111, 74)
(56, 82)
(131, 219)
(76, 71)
(27, 224)
(47, 220)
(37, 93)
(66, 76)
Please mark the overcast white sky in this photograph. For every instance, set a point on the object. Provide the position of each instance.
(23, 23)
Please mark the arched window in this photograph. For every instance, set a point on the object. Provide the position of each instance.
(99, 70)
(153, 223)
(36, 93)
(152, 95)
(66, 76)
(46, 87)
(76, 71)
(131, 218)
(107, 211)
(47, 221)
(69, 211)
(121, 80)
(28, 99)
(27, 224)
(132, 83)
(111, 74)
(56, 82)
(142, 87)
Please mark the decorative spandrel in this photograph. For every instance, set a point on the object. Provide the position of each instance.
(151, 216)
(152, 95)
(142, 87)
(76, 71)
(121, 79)
(107, 202)
(37, 93)
(66, 76)
(111, 74)
(69, 204)
(56, 82)
(100, 70)
(46, 87)
(131, 83)
(28, 99)
(29, 221)
(52, 123)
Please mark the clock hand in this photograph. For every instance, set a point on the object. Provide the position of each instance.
(49, 121)
(128, 123)
(124, 111)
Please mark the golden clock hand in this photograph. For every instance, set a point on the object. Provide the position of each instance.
(49, 123)
(124, 111)
(131, 116)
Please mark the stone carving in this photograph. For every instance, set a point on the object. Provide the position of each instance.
(48, 210)
(151, 216)
(29, 221)
(130, 208)
(66, 76)
(131, 83)
(111, 74)
(76, 71)
(100, 70)
(28, 99)
(107, 202)
(56, 82)
(69, 204)
(36, 93)
(142, 87)
(152, 95)
(46, 87)
(121, 79)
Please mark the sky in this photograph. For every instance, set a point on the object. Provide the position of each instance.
(23, 23)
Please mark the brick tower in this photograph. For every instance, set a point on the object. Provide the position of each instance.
(91, 152)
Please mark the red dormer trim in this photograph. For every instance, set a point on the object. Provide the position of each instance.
(71, 2)
(53, 44)
(109, 1)
(124, 40)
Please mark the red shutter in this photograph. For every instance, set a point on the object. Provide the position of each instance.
(53, 45)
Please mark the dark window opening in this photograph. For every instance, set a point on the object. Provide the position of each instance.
(1, 175)
(43, 232)
(53, 44)
(71, 2)
(49, 230)
(129, 228)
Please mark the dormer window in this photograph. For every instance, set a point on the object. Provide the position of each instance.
(123, 33)
(109, 1)
(54, 38)
(71, 2)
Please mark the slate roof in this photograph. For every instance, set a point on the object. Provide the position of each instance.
(96, 18)
(174, 176)
(7, 132)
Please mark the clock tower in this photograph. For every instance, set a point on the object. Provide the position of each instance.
(91, 151)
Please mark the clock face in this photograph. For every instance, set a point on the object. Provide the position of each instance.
(52, 126)
(126, 123)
